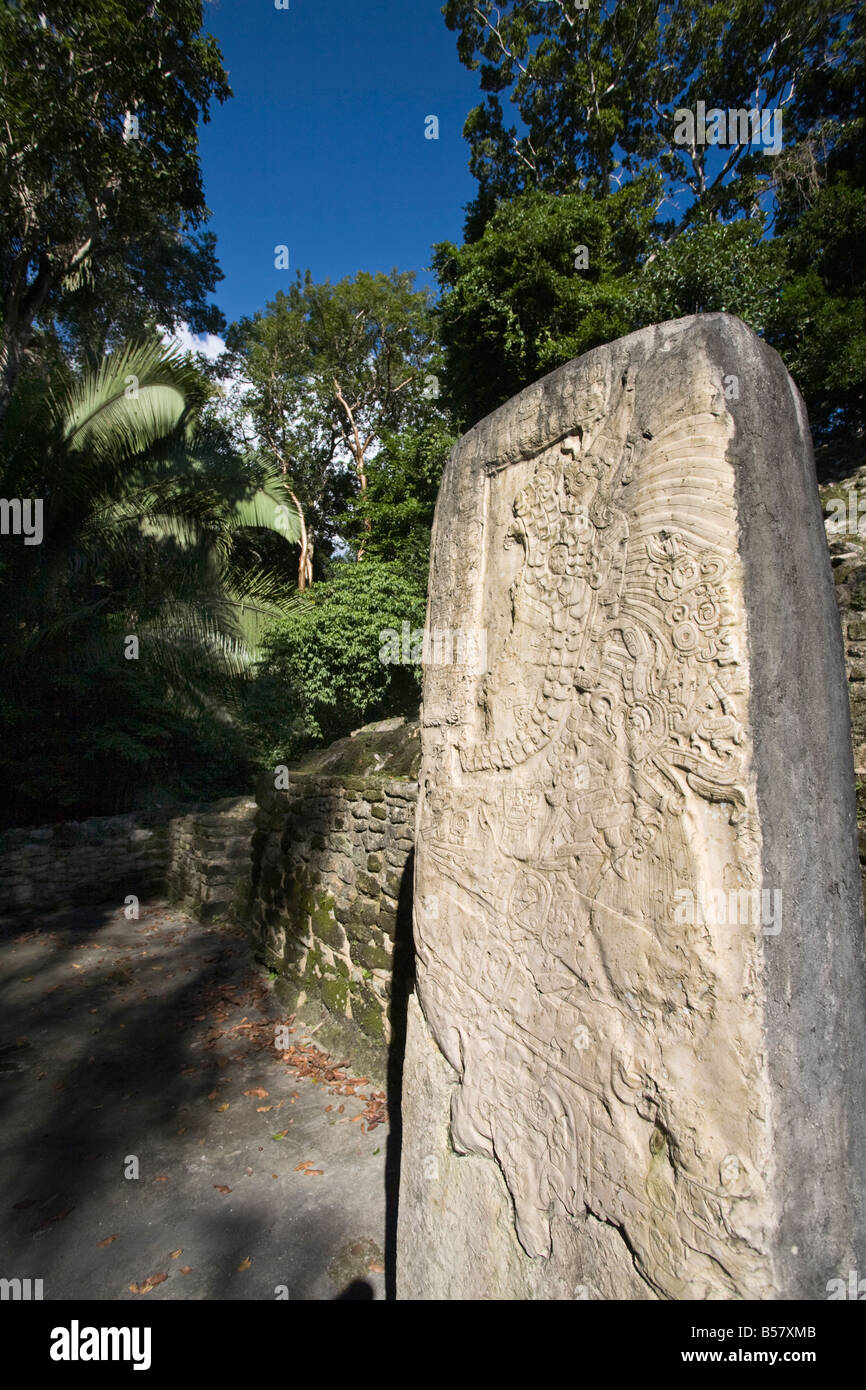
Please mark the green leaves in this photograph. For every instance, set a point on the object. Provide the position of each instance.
(95, 225)
(321, 675)
(595, 91)
(727, 267)
(143, 537)
(272, 508)
(331, 369)
(514, 305)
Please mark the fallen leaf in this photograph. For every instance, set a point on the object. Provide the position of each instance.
(281, 1134)
(221, 1187)
(314, 1172)
(160, 1179)
(108, 1239)
(258, 1091)
(244, 1264)
(186, 1269)
(150, 1283)
(376, 1269)
(173, 1254)
(263, 1109)
(212, 1096)
(221, 1108)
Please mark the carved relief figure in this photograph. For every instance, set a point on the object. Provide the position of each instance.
(608, 724)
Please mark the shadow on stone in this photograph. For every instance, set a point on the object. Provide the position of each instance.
(358, 1291)
(403, 982)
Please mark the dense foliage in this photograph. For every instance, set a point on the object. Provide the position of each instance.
(123, 627)
(101, 195)
(322, 674)
(769, 233)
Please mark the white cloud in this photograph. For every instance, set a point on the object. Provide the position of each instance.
(208, 343)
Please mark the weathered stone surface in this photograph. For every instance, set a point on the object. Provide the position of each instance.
(637, 1060)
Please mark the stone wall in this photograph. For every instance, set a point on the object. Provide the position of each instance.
(208, 870)
(331, 894)
(848, 555)
(199, 859)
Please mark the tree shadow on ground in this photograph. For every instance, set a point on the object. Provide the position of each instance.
(100, 1067)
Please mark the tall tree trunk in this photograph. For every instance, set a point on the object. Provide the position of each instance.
(357, 450)
(305, 561)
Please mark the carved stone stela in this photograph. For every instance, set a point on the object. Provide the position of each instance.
(599, 765)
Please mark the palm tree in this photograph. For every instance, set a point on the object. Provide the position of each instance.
(152, 528)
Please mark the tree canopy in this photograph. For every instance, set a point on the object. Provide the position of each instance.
(101, 194)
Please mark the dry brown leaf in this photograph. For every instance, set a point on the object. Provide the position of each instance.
(263, 1109)
(212, 1096)
(173, 1254)
(221, 1187)
(244, 1264)
(258, 1091)
(160, 1179)
(108, 1239)
(221, 1108)
(150, 1283)
(186, 1269)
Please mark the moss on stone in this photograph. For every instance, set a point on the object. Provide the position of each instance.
(371, 1022)
(371, 957)
(335, 994)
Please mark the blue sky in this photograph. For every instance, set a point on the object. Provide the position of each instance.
(322, 147)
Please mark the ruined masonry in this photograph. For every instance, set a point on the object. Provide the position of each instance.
(636, 1058)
